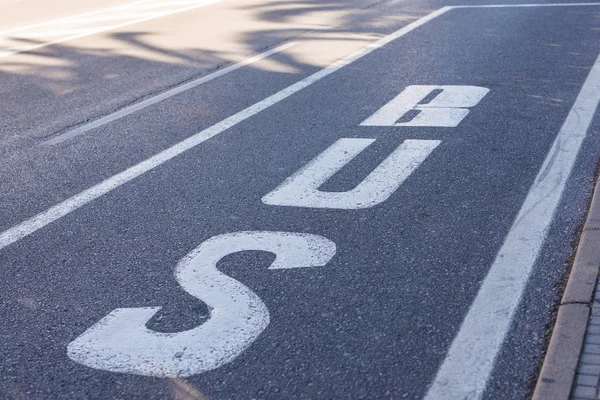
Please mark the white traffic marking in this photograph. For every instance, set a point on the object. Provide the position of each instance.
(120, 342)
(447, 109)
(160, 97)
(469, 362)
(526, 5)
(18, 40)
(302, 188)
(116, 17)
(66, 207)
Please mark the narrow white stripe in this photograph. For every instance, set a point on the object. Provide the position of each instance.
(83, 31)
(164, 4)
(109, 17)
(527, 5)
(467, 367)
(58, 211)
(153, 100)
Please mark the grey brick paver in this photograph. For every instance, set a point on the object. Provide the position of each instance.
(590, 359)
(589, 369)
(587, 380)
(592, 339)
(594, 330)
(585, 392)
(591, 349)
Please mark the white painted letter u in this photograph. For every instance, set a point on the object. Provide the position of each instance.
(302, 188)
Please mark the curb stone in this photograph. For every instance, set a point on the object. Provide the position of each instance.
(559, 370)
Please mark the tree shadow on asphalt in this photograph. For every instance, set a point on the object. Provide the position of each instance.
(49, 90)
(57, 87)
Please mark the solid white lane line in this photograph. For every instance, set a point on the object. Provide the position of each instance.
(58, 211)
(116, 17)
(63, 32)
(469, 362)
(169, 93)
(89, 32)
(526, 5)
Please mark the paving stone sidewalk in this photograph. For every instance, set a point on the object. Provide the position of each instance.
(587, 380)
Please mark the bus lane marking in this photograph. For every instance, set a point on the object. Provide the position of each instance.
(302, 188)
(466, 369)
(447, 109)
(120, 342)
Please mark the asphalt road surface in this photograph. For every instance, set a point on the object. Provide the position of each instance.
(289, 200)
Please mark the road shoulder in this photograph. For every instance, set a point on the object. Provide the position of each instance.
(570, 342)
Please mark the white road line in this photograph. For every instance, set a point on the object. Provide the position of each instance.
(16, 47)
(115, 17)
(467, 367)
(527, 5)
(169, 93)
(50, 34)
(64, 208)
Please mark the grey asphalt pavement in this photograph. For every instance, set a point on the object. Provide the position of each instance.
(378, 319)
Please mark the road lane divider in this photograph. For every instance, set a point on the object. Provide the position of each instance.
(77, 201)
(525, 5)
(80, 130)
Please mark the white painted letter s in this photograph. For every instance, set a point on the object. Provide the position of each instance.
(120, 342)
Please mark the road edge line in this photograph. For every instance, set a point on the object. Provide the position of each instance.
(470, 360)
(557, 375)
(521, 5)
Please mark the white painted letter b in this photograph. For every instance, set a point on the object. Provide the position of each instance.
(447, 109)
